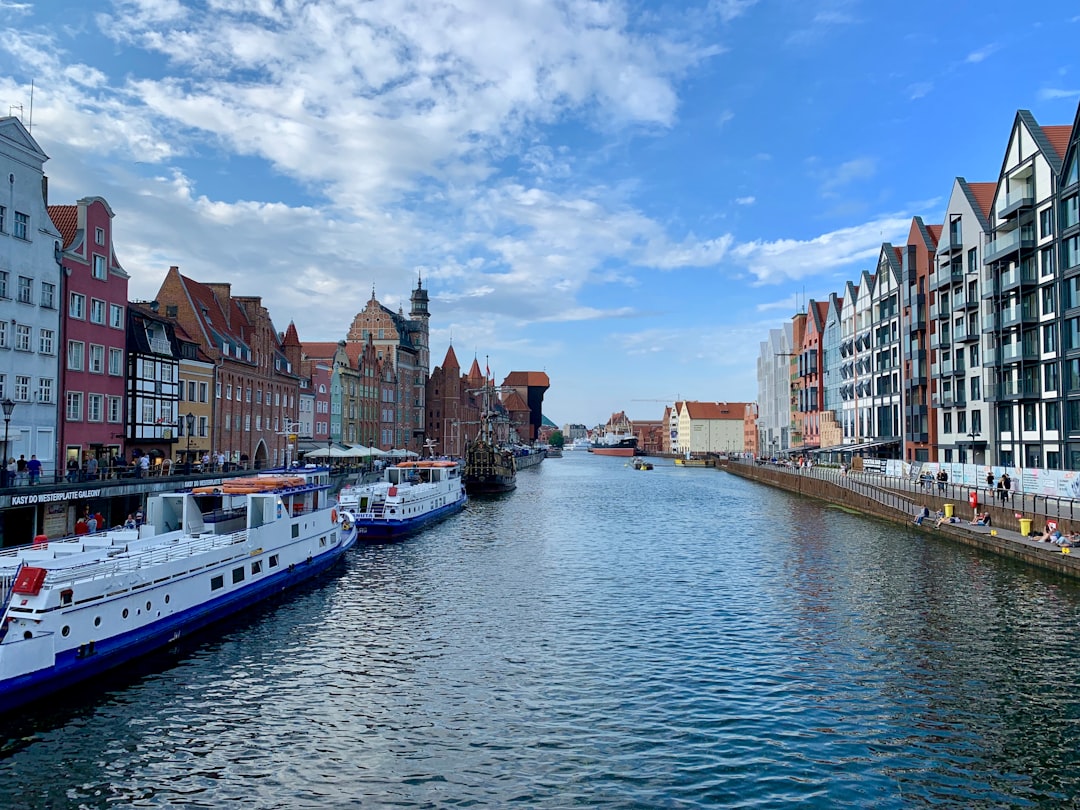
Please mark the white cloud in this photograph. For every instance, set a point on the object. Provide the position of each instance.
(783, 259)
(982, 53)
(749, 200)
(1051, 94)
(919, 90)
(851, 171)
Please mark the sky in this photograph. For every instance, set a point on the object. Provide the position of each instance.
(624, 195)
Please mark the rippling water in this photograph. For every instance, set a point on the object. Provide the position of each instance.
(601, 637)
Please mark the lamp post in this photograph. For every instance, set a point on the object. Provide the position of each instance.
(972, 435)
(190, 419)
(329, 448)
(9, 406)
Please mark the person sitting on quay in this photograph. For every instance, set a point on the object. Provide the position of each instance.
(924, 513)
(1050, 534)
(980, 519)
(942, 519)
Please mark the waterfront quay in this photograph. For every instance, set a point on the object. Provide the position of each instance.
(900, 499)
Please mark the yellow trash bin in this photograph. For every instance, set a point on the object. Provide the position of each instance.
(1025, 526)
(948, 510)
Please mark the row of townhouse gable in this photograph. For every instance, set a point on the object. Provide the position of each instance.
(963, 345)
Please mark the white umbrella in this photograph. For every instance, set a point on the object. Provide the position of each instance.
(357, 451)
(322, 452)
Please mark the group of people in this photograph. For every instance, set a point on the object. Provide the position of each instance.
(1053, 535)
(21, 471)
(1003, 488)
(978, 519)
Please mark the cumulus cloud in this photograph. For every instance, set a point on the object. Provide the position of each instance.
(1052, 93)
(748, 200)
(979, 55)
(772, 262)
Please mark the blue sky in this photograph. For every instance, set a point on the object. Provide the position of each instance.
(626, 195)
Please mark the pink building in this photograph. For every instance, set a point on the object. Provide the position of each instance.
(93, 330)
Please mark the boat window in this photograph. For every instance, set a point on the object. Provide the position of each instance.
(238, 575)
(216, 584)
(125, 613)
(256, 567)
(167, 599)
(97, 621)
(273, 561)
(66, 631)
(322, 541)
(296, 530)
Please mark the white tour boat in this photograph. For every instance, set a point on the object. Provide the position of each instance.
(76, 607)
(412, 494)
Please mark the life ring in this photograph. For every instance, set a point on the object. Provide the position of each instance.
(333, 515)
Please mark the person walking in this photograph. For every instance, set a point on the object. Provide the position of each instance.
(1001, 491)
(33, 469)
(989, 479)
(20, 467)
(1007, 483)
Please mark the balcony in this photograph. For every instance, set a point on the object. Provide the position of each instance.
(952, 241)
(1010, 243)
(1018, 316)
(1017, 352)
(1014, 389)
(964, 302)
(1018, 275)
(966, 333)
(947, 275)
(1016, 201)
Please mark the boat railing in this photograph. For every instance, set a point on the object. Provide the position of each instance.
(134, 561)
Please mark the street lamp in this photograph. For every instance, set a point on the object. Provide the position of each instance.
(190, 418)
(972, 435)
(8, 406)
(329, 448)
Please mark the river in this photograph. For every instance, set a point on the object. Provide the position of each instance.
(601, 637)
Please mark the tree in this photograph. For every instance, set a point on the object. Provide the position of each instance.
(556, 439)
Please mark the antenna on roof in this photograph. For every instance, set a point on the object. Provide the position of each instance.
(30, 123)
(12, 107)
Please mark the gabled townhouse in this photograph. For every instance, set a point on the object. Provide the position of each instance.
(95, 333)
(886, 427)
(31, 297)
(152, 384)
(195, 409)
(920, 429)
(809, 390)
(404, 344)
(798, 334)
(831, 431)
(1020, 308)
(1067, 249)
(453, 402)
(856, 351)
(774, 399)
(961, 410)
(258, 388)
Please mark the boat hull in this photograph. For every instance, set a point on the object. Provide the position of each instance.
(74, 666)
(378, 530)
(490, 484)
(624, 452)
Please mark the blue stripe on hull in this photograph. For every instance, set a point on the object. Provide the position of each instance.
(382, 531)
(112, 652)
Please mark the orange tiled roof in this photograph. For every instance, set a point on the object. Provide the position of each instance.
(514, 402)
(1058, 137)
(529, 378)
(716, 410)
(451, 358)
(935, 233)
(984, 196)
(66, 220)
(319, 351)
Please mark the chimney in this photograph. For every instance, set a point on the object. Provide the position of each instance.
(222, 291)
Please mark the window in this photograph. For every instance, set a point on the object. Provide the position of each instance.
(258, 397)
(26, 290)
(1047, 300)
(3, 212)
(247, 422)
(74, 406)
(3, 283)
(97, 311)
(228, 391)
(116, 362)
(273, 561)
(1070, 211)
(973, 260)
(191, 390)
(99, 271)
(167, 372)
(76, 352)
(249, 393)
(45, 390)
(113, 404)
(77, 306)
(217, 583)
(22, 338)
(204, 391)
(46, 341)
(256, 567)
(97, 359)
(1050, 377)
(1070, 252)
(238, 575)
(947, 423)
(1046, 222)
(99, 236)
(976, 421)
(961, 421)
(116, 316)
(3, 334)
(48, 295)
(1049, 336)
(1053, 416)
(22, 225)
(22, 388)
(1029, 416)
(93, 407)
(203, 426)
(217, 389)
(1005, 419)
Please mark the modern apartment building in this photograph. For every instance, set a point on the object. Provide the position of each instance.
(774, 393)
(920, 429)
(1067, 251)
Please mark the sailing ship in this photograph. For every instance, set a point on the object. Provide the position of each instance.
(489, 467)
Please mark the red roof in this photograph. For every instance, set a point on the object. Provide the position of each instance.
(935, 233)
(319, 351)
(984, 195)
(716, 410)
(529, 378)
(66, 220)
(1058, 137)
(451, 358)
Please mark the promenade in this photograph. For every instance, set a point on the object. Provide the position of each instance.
(899, 500)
